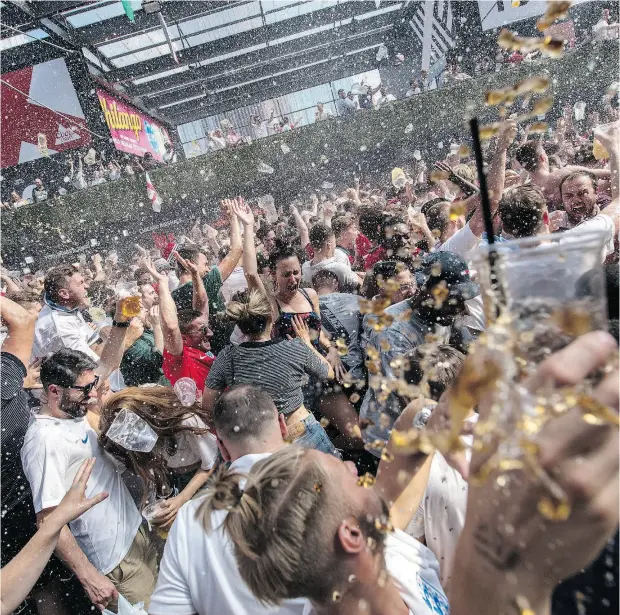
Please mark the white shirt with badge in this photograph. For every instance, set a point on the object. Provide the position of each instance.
(52, 453)
(415, 572)
(198, 573)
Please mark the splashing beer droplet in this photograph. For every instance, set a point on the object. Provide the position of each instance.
(554, 511)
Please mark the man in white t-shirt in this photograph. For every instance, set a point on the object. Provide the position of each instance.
(60, 323)
(198, 573)
(106, 548)
(323, 242)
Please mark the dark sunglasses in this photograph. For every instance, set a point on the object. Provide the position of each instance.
(87, 388)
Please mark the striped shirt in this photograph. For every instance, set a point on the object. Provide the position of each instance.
(279, 367)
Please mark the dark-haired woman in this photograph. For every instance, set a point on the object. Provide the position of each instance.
(278, 363)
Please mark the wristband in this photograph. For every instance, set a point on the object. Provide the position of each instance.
(120, 325)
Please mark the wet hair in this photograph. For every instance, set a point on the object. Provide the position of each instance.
(527, 155)
(320, 234)
(584, 154)
(161, 409)
(577, 174)
(186, 318)
(378, 274)
(341, 223)
(56, 279)
(64, 367)
(521, 210)
(251, 311)
(438, 217)
(324, 277)
(438, 364)
(291, 492)
(424, 209)
(281, 251)
(139, 272)
(244, 412)
(189, 254)
(370, 219)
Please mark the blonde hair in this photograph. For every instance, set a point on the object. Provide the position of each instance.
(466, 172)
(251, 310)
(161, 409)
(282, 524)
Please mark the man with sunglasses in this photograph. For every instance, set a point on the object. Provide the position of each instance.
(107, 548)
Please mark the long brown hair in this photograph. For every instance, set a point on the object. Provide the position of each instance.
(161, 409)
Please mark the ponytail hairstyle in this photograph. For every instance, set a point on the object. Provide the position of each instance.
(161, 409)
(251, 311)
(282, 524)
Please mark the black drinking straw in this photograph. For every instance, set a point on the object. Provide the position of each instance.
(482, 179)
(486, 209)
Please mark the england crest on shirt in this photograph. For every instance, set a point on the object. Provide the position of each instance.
(434, 599)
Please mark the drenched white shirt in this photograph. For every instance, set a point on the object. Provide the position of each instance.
(198, 573)
(52, 453)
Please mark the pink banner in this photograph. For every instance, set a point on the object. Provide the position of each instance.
(132, 131)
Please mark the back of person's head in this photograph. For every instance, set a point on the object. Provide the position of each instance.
(376, 277)
(584, 155)
(186, 318)
(245, 412)
(424, 209)
(522, 210)
(140, 272)
(324, 278)
(64, 367)
(55, 280)
(438, 365)
(320, 235)
(341, 223)
(370, 219)
(438, 217)
(466, 172)
(290, 491)
(527, 155)
(250, 310)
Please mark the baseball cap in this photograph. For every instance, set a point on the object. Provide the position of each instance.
(450, 268)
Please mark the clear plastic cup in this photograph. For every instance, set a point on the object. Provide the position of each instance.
(186, 391)
(551, 290)
(151, 511)
(129, 296)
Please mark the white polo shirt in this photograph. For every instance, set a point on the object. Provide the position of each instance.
(52, 453)
(57, 329)
(199, 573)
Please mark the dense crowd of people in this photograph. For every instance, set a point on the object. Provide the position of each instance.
(291, 412)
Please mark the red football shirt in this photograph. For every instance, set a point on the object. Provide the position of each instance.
(193, 363)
